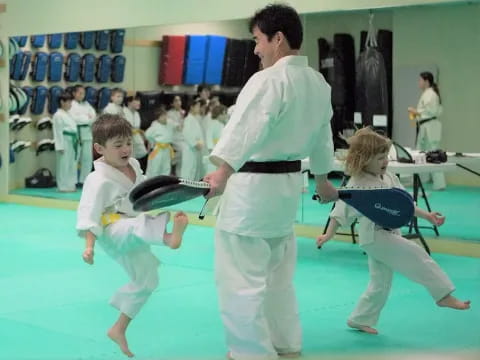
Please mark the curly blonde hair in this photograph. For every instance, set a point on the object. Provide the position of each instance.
(364, 145)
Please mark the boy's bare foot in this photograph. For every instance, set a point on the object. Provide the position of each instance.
(180, 222)
(118, 336)
(290, 355)
(229, 356)
(363, 328)
(452, 302)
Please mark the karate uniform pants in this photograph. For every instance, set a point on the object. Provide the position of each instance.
(66, 167)
(160, 164)
(85, 159)
(128, 242)
(388, 253)
(425, 143)
(257, 300)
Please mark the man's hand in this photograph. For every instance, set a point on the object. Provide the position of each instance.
(218, 180)
(325, 190)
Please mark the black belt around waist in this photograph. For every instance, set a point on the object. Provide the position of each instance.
(423, 121)
(272, 167)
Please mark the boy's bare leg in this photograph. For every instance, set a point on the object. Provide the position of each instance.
(452, 302)
(117, 333)
(180, 222)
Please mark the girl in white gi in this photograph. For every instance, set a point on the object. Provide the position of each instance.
(133, 117)
(84, 115)
(214, 130)
(387, 250)
(194, 143)
(427, 115)
(177, 114)
(105, 214)
(65, 136)
(160, 135)
(115, 107)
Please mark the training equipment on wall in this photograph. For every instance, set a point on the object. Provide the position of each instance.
(44, 123)
(371, 93)
(40, 94)
(172, 59)
(104, 68)
(21, 40)
(45, 145)
(91, 96)
(20, 64)
(215, 55)
(252, 61)
(54, 99)
(28, 90)
(20, 145)
(195, 59)
(54, 41)
(101, 40)
(37, 41)
(103, 98)
(87, 39)
(55, 66)
(234, 61)
(39, 66)
(71, 40)
(118, 68)
(73, 67)
(88, 68)
(116, 40)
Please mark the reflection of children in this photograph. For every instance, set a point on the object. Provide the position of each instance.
(387, 250)
(105, 214)
(133, 117)
(114, 107)
(160, 135)
(193, 145)
(66, 145)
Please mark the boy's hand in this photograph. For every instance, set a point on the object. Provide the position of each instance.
(436, 218)
(88, 256)
(322, 239)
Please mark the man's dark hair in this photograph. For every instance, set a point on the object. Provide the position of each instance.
(279, 17)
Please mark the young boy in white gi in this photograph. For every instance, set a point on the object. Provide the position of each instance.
(387, 250)
(105, 214)
(177, 114)
(194, 143)
(115, 107)
(160, 135)
(65, 136)
(84, 115)
(133, 117)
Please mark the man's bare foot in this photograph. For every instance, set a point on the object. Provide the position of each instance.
(452, 302)
(363, 328)
(180, 222)
(118, 336)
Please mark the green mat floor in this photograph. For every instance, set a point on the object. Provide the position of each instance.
(53, 306)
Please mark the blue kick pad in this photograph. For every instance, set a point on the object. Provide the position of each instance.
(195, 59)
(216, 46)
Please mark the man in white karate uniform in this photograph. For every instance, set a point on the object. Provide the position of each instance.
(281, 116)
(84, 115)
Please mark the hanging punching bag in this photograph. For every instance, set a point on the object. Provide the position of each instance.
(371, 81)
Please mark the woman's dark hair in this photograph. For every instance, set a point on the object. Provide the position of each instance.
(279, 17)
(428, 76)
(130, 99)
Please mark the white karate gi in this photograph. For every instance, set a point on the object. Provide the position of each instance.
(113, 109)
(84, 115)
(133, 117)
(127, 240)
(160, 159)
(65, 135)
(177, 118)
(192, 158)
(387, 252)
(430, 133)
(255, 245)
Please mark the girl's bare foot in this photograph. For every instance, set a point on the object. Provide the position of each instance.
(452, 302)
(118, 336)
(363, 328)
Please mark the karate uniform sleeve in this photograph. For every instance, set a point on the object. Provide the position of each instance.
(190, 132)
(110, 109)
(256, 112)
(430, 105)
(150, 134)
(92, 204)
(58, 131)
(395, 181)
(321, 156)
(344, 214)
(79, 116)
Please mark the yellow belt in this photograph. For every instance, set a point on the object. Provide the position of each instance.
(110, 218)
(215, 141)
(136, 131)
(161, 146)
